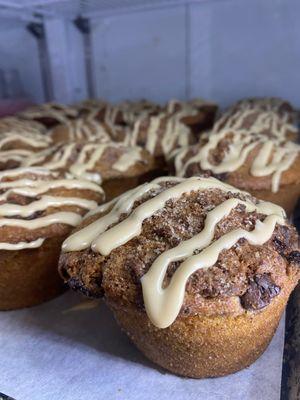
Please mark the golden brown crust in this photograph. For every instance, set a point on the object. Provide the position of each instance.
(222, 289)
(49, 114)
(230, 310)
(16, 124)
(29, 277)
(202, 347)
(104, 164)
(85, 130)
(242, 177)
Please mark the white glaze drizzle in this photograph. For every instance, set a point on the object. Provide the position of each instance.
(34, 140)
(122, 204)
(84, 130)
(8, 210)
(89, 154)
(163, 304)
(128, 159)
(40, 187)
(50, 110)
(22, 245)
(273, 157)
(169, 131)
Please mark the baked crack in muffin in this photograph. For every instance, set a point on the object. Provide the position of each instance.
(38, 209)
(196, 272)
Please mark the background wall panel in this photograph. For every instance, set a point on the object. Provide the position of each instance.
(245, 48)
(141, 54)
(19, 52)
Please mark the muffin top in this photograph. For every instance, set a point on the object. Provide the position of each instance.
(18, 125)
(275, 105)
(14, 158)
(126, 112)
(256, 121)
(14, 140)
(36, 204)
(49, 114)
(243, 159)
(97, 162)
(183, 247)
(86, 130)
(160, 134)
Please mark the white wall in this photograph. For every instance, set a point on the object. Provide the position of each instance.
(19, 51)
(217, 49)
(142, 54)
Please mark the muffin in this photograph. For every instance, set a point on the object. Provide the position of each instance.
(267, 168)
(13, 158)
(197, 114)
(116, 166)
(275, 105)
(260, 117)
(160, 135)
(38, 209)
(196, 272)
(49, 114)
(86, 130)
(18, 125)
(127, 112)
(14, 140)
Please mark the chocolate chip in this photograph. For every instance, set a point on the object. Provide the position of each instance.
(279, 246)
(294, 257)
(222, 177)
(77, 286)
(260, 292)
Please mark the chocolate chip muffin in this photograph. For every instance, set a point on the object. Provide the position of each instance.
(160, 135)
(86, 130)
(197, 114)
(19, 125)
(196, 272)
(266, 167)
(38, 209)
(49, 114)
(272, 117)
(116, 166)
(14, 158)
(14, 140)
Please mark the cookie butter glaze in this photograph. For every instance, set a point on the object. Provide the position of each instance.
(108, 233)
(81, 161)
(273, 157)
(167, 131)
(34, 140)
(59, 112)
(20, 126)
(35, 183)
(87, 130)
(258, 119)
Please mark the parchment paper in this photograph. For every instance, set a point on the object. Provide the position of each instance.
(53, 352)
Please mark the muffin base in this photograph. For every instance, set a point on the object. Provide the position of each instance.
(201, 346)
(30, 277)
